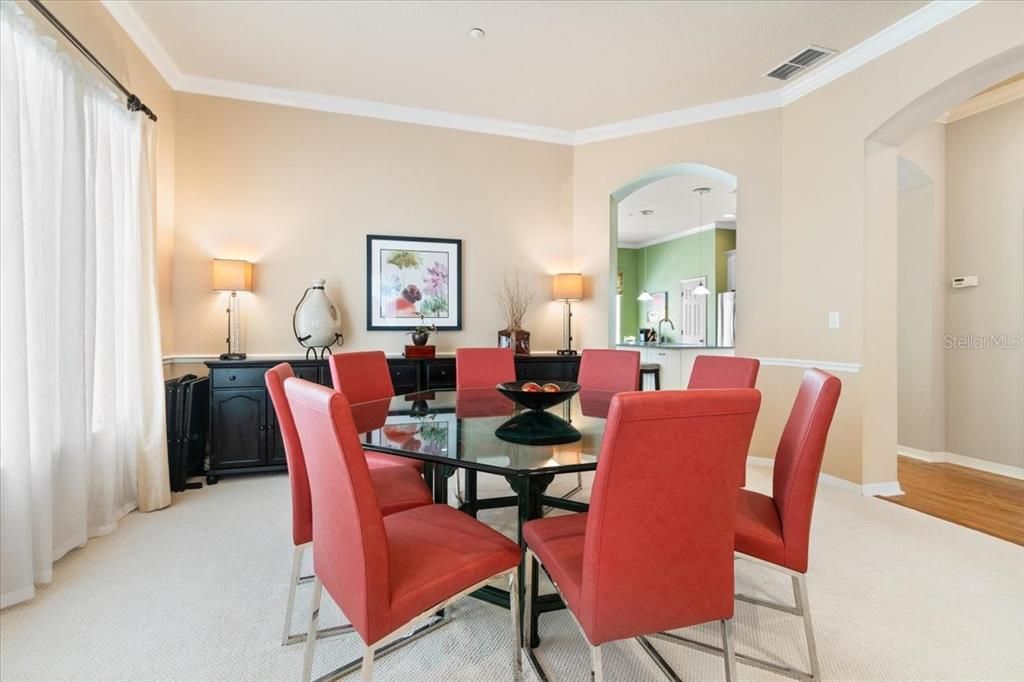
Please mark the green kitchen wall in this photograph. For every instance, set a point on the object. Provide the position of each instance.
(628, 266)
(667, 264)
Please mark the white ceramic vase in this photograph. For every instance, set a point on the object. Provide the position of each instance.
(315, 322)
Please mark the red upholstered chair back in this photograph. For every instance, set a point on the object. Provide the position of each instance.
(610, 370)
(798, 461)
(350, 552)
(719, 371)
(658, 553)
(361, 376)
(302, 517)
(483, 367)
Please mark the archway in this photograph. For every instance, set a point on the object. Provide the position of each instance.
(721, 180)
(880, 404)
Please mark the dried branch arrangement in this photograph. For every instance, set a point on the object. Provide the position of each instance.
(514, 298)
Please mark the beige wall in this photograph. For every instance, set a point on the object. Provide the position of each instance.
(985, 237)
(94, 26)
(297, 191)
(818, 208)
(921, 290)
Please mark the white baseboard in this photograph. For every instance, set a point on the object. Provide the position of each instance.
(962, 460)
(885, 488)
(923, 455)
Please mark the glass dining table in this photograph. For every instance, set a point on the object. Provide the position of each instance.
(480, 430)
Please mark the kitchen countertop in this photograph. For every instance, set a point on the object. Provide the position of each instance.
(673, 346)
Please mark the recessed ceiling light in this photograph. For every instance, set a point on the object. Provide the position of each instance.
(477, 33)
(729, 216)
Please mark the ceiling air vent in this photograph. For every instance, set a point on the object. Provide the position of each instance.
(800, 62)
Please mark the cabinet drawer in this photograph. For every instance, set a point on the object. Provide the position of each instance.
(549, 371)
(441, 374)
(239, 377)
(403, 376)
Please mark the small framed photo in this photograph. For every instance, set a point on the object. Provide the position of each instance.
(407, 277)
(657, 307)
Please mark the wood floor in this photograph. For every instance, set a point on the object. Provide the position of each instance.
(986, 502)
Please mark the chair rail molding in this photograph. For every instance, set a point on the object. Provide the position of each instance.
(826, 365)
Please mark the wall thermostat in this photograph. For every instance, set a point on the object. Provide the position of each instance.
(965, 281)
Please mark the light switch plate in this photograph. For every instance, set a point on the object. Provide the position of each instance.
(833, 320)
(965, 281)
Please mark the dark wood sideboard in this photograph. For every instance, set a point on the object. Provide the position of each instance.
(244, 437)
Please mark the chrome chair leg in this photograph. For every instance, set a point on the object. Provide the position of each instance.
(517, 652)
(367, 669)
(803, 605)
(299, 579)
(296, 570)
(729, 651)
(314, 620)
(595, 657)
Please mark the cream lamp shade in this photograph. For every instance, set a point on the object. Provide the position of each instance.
(232, 275)
(568, 286)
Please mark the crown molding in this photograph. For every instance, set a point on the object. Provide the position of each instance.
(337, 104)
(984, 102)
(681, 117)
(889, 38)
(717, 225)
(125, 15)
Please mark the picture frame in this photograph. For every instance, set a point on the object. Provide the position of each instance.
(657, 307)
(410, 276)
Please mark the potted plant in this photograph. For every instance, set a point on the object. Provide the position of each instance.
(421, 333)
(514, 299)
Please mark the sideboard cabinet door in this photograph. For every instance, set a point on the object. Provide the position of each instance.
(239, 428)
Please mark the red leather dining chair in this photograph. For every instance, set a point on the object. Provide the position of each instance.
(775, 531)
(363, 376)
(480, 368)
(606, 370)
(483, 367)
(609, 370)
(387, 573)
(626, 571)
(722, 371)
(398, 488)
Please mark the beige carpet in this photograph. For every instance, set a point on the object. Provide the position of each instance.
(197, 592)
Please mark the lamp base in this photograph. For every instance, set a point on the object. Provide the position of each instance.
(566, 351)
(232, 356)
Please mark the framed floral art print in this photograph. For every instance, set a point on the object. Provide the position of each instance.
(407, 277)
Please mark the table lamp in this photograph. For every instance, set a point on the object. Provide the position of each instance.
(567, 287)
(233, 276)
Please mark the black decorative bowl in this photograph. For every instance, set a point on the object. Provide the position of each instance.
(537, 427)
(538, 400)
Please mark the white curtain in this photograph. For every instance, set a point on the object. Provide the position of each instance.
(82, 438)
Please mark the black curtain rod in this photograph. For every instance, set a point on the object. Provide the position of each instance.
(134, 103)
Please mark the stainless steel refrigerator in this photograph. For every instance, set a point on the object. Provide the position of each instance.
(727, 318)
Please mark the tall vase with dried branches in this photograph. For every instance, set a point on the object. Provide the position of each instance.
(514, 299)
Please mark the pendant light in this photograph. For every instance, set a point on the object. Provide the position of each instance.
(644, 295)
(700, 289)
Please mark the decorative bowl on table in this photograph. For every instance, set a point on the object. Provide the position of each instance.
(535, 395)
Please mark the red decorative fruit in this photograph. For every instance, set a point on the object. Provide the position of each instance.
(531, 387)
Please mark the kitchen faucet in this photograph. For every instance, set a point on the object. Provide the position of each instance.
(661, 337)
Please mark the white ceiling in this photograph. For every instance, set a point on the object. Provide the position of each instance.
(562, 65)
(675, 208)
